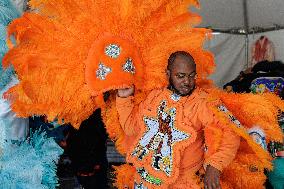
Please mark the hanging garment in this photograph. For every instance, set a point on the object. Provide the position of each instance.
(262, 49)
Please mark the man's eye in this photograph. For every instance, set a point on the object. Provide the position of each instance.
(193, 74)
(180, 76)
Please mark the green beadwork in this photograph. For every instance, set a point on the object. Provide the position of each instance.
(153, 180)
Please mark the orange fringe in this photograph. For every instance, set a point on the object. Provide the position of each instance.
(111, 120)
(239, 173)
(124, 176)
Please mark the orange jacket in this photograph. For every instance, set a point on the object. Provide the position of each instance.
(191, 116)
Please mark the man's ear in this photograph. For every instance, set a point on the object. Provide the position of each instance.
(168, 74)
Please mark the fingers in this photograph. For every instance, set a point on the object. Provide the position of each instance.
(211, 179)
(216, 184)
(212, 186)
(212, 183)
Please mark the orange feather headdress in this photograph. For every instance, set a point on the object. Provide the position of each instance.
(69, 52)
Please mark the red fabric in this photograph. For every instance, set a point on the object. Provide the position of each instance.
(260, 49)
(263, 49)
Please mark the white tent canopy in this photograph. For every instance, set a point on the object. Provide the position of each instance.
(247, 20)
(248, 15)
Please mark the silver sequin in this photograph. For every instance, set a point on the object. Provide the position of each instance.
(175, 97)
(113, 50)
(102, 71)
(129, 66)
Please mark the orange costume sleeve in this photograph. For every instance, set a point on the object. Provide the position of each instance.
(130, 114)
(124, 108)
(221, 141)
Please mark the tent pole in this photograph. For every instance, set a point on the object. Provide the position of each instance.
(246, 25)
(247, 51)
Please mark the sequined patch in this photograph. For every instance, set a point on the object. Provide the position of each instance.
(102, 71)
(258, 136)
(148, 178)
(160, 137)
(112, 50)
(232, 118)
(175, 97)
(129, 66)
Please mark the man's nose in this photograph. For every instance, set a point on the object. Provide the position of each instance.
(186, 81)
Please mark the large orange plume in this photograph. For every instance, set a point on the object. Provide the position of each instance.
(255, 110)
(251, 110)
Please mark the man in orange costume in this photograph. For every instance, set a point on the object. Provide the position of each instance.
(165, 134)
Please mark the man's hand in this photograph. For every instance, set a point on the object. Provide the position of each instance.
(124, 93)
(212, 178)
